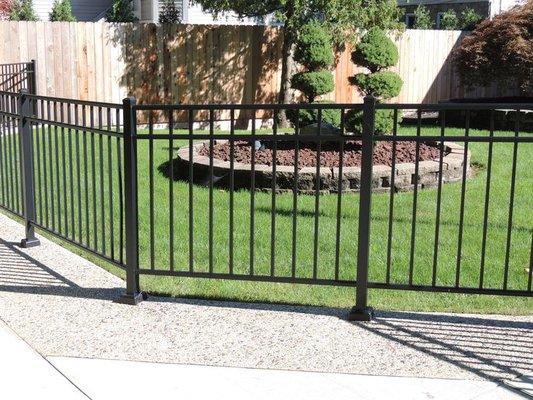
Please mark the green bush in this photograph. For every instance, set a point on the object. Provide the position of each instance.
(121, 11)
(383, 84)
(308, 117)
(313, 47)
(469, 19)
(384, 121)
(422, 18)
(22, 10)
(449, 20)
(375, 51)
(62, 11)
(169, 13)
(313, 84)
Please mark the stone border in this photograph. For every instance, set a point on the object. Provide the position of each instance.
(452, 171)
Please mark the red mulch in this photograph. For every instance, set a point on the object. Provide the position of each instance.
(329, 155)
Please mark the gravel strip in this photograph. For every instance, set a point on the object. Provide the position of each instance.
(61, 304)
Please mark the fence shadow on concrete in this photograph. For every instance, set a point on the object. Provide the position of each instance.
(23, 274)
(493, 348)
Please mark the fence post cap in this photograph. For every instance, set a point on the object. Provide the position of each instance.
(129, 101)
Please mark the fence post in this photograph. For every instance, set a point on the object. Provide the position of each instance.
(32, 77)
(26, 165)
(361, 311)
(133, 294)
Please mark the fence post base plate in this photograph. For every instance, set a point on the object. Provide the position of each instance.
(132, 299)
(26, 243)
(358, 314)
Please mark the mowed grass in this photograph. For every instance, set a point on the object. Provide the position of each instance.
(262, 239)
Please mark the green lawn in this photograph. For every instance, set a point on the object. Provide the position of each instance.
(306, 294)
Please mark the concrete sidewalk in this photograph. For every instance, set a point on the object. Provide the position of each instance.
(26, 374)
(62, 306)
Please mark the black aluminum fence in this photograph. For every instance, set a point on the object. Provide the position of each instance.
(113, 180)
(15, 77)
(61, 169)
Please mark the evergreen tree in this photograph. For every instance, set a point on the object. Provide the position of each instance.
(62, 11)
(22, 10)
(169, 13)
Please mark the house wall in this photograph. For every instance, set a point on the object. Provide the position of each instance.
(83, 10)
(485, 8)
(499, 6)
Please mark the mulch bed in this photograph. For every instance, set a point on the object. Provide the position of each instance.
(329, 155)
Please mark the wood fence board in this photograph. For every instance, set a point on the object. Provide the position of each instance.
(207, 64)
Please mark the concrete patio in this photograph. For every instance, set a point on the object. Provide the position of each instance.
(62, 306)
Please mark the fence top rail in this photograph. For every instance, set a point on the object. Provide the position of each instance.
(12, 94)
(73, 101)
(455, 106)
(15, 64)
(217, 107)
(335, 106)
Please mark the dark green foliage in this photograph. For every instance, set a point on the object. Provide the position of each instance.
(62, 11)
(169, 13)
(314, 47)
(308, 117)
(375, 51)
(22, 10)
(314, 50)
(383, 84)
(313, 84)
(422, 18)
(121, 11)
(384, 121)
(449, 20)
(469, 19)
(499, 51)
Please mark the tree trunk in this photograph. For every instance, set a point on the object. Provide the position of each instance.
(288, 69)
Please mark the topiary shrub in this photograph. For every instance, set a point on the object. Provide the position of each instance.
(62, 11)
(314, 50)
(499, 51)
(383, 121)
(308, 117)
(376, 51)
(314, 47)
(388, 84)
(313, 84)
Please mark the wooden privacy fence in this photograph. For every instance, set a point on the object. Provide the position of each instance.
(204, 64)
